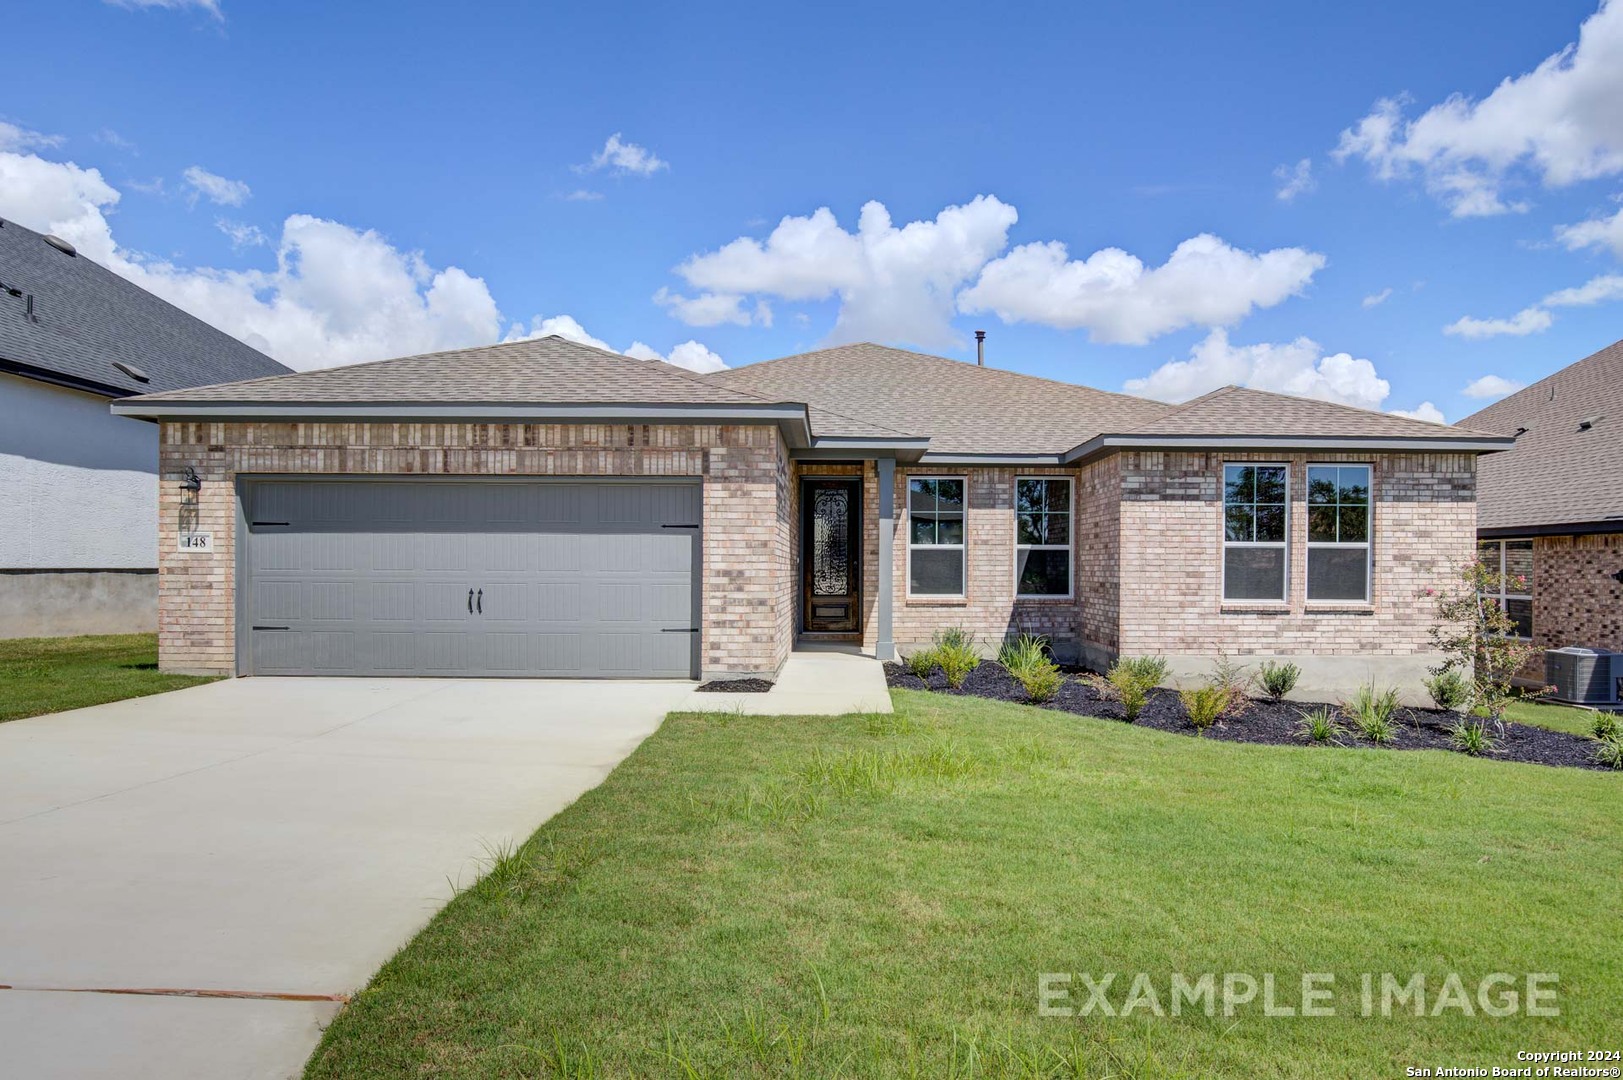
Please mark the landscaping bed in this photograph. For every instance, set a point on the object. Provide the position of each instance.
(1262, 720)
(736, 686)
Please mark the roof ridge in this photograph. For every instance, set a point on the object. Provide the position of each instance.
(1604, 352)
(1281, 395)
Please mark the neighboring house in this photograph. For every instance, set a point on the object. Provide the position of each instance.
(79, 487)
(546, 508)
(1551, 510)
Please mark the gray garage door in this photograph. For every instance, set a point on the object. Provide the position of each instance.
(418, 577)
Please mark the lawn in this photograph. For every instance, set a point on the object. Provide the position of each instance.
(1550, 715)
(877, 896)
(46, 675)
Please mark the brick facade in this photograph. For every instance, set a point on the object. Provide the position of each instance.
(747, 584)
(1576, 598)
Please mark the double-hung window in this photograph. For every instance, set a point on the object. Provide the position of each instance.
(1255, 512)
(1338, 533)
(935, 536)
(1042, 536)
(1511, 563)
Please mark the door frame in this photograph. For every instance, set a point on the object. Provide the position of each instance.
(242, 482)
(854, 526)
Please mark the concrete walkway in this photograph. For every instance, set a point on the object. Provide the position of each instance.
(275, 840)
(815, 681)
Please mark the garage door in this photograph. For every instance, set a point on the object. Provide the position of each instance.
(418, 577)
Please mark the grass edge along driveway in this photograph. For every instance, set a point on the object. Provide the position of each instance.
(876, 896)
(48, 675)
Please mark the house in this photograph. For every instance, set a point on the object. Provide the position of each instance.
(78, 486)
(1551, 510)
(546, 508)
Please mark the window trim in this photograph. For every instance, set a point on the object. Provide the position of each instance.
(907, 505)
(1369, 531)
(1504, 595)
(1069, 547)
(1224, 541)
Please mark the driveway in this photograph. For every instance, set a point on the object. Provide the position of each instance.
(254, 849)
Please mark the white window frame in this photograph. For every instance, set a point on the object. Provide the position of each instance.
(1369, 532)
(907, 501)
(1069, 547)
(1223, 535)
(1504, 595)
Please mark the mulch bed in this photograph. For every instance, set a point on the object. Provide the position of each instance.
(737, 686)
(1263, 721)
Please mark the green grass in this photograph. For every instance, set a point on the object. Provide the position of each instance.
(46, 675)
(876, 897)
(1549, 715)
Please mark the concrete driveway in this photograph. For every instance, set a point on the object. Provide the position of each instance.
(254, 849)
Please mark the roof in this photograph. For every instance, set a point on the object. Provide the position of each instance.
(962, 408)
(86, 317)
(832, 399)
(1560, 473)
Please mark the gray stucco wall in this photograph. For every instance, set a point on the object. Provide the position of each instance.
(79, 486)
(59, 603)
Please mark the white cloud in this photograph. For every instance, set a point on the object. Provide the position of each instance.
(689, 354)
(1424, 411)
(623, 158)
(1537, 317)
(1296, 367)
(894, 284)
(13, 137)
(215, 188)
(1531, 320)
(241, 233)
(1491, 386)
(336, 295)
(1295, 180)
(1376, 299)
(109, 137)
(582, 195)
(706, 309)
(1205, 282)
(1558, 123)
(564, 326)
(210, 6)
(1596, 232)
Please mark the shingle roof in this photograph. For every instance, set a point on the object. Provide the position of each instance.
(962, 408)
(1241, 411)
(1559, 473)
(86, 317)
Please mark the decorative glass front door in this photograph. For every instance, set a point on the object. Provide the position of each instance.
(831, 554)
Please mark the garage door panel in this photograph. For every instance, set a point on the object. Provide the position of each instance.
(576, 578)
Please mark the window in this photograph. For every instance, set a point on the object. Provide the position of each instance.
(1254, 531)
(1338, 532)
(935, 536)
(1042, 536)
(1512, 561)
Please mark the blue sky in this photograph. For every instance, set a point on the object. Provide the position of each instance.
(338, 182)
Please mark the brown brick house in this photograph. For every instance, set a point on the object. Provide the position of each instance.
(1551, 510)
(545, 508)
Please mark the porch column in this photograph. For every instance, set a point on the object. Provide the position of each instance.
(885, 649)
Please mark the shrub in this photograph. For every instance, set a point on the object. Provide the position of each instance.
(1023, 653)
(1609, 751)
(1471, 737)
(1478, 637)
(1041, 681)
(1205, 704)
(922, 662)
(955, 651)
(1130, 680)
(1321, 726)
(1605, 725)
(1278, 679)
(1449, 689)
(1373, 712)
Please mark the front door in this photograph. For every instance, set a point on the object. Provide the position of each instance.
(831, 554)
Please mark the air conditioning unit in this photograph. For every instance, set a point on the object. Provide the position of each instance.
(1583, 676)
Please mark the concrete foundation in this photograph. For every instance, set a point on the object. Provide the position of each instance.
(63, 603)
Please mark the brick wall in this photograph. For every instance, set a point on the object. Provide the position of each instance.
(1171, 556)
(1576, 600)
(746, 577)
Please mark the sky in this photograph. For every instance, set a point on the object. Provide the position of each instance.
(1407, 207)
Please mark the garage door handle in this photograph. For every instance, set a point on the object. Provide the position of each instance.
(678, 526)
(481, 601)
(684, 630)
(470, 601)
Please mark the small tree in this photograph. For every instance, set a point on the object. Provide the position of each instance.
(1478, 638)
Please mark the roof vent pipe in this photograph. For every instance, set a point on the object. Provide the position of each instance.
(980, 348)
